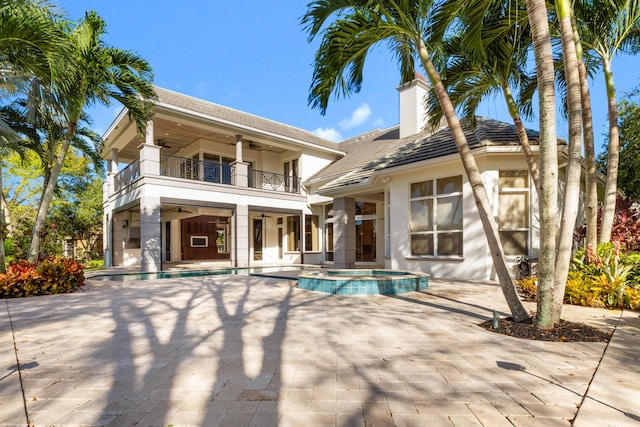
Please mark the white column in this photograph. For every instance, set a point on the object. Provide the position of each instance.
(239, 148)
(112, 171)
(150, 234)
(242, 236)
(344, 232)
(241, 172)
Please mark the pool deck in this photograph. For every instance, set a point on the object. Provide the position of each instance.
(257, 351)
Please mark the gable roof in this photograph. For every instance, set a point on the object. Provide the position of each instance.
(383, 150)
(174, 100)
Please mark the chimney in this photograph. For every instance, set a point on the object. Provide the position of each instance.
(413, 110)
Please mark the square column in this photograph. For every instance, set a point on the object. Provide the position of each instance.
(242, 236)
(150, 234)
(344, 232)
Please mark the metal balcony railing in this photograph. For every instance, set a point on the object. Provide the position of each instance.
(273, 181)
(209, 171)
(199, 170)
(127, 176)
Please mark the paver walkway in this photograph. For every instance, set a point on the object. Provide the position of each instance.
(240, 351)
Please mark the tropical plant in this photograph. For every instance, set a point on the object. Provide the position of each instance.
(100, 74)
(626, 225)
(51, 276)
(353, 28)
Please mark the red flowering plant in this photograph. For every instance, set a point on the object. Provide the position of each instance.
(626, 225)
(50, 276)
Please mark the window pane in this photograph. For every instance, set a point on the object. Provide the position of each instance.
(421, 215)
(422, 189)
(293, 233)
(449, 244)
(513, 210)
(449, 213)
(364, 208)
(311, 233)
(514, 179)
(515, 242)
(422, 244)
(450, 185)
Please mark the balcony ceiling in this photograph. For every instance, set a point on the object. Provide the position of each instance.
(174, 136)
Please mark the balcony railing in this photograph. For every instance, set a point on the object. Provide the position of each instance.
(273, 181)
(209, 171)
(127, 176)
(199, 170)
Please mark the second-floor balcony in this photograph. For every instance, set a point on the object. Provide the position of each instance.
(209, 171)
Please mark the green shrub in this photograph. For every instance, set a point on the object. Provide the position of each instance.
(50, 276)
(94, 264)
(603, 278)
(529, 286)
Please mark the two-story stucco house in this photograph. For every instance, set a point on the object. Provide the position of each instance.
(216, 184)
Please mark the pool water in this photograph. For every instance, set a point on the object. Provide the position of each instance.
(177, 274)
(363, 282)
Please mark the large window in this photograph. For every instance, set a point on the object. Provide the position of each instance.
(311, 233)
(436, 217)
(328, 234)
(513, 216)
(293, 233)
(290, 170)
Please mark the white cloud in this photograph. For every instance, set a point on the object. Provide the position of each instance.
(328, 133)
(378, 123)
(358, 117)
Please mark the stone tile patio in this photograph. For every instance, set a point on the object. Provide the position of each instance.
(257, 351)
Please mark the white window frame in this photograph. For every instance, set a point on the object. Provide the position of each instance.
(435, 232)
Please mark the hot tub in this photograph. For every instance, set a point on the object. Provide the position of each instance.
(363, 282)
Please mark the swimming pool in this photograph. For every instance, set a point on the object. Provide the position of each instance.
(270, 271)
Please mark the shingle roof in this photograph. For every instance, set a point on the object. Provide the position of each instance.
(378, 151)
(186, 102)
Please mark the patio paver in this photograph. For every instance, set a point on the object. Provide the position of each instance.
(257, 351)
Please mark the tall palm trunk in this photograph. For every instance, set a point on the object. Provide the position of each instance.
(571, 195)
(489, 225)
(3, 225)
(591, 183)
(522, 136)
(613, 160)
(47, 195)
(538, 19)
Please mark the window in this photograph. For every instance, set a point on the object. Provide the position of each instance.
(199, 241)
(291, 180)
(293, 233)
(513, 211)
(311, 233)
(328, 233)
(221, 238)
(436, 217)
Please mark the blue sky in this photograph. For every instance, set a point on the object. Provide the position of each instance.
(254, 56)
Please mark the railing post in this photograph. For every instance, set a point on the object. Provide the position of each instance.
(149, 159)
(241, 174)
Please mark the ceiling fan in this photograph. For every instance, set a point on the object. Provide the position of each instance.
(180, 210)
(255, 146)
(162, 144)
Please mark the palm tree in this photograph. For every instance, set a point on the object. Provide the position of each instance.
(357, 26)
(543, 53)
(32, 43)
(571, 194)
(606, 28)
(100, 74)
(471, 73)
